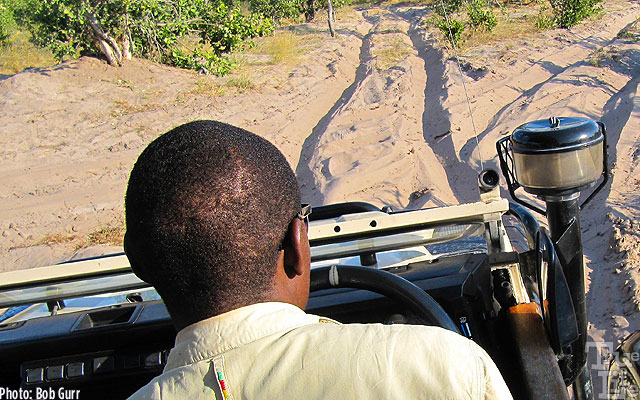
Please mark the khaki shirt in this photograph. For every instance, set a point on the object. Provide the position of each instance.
(277, 351)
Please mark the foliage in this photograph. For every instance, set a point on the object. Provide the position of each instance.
(544, 20)
(481, 15)
(7, 22)
(452, 31)
(19, 8)
(153, 26)
(568, 13)
(278, 9)
(447, 7)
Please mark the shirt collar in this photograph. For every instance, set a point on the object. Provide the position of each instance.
(207, 338)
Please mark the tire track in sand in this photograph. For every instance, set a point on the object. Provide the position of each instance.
(436, 121)
(309, 185)
(377, 126)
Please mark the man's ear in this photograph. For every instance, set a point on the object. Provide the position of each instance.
(134, 259)
(295, 254)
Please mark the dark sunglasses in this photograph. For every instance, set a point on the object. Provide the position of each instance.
(305, 211)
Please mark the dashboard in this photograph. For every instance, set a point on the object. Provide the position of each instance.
(112, 351)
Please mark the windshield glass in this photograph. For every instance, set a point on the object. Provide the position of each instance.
(60, 303)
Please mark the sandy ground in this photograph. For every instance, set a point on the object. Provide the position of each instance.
(352, 127)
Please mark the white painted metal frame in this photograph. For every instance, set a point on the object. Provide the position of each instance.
(348, 235)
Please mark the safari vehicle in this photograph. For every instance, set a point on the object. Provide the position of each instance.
(93, 326)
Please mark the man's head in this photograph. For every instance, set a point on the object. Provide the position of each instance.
(208, 207)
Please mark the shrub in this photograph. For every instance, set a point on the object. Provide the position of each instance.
(7, 23)
(452, 31)
(544, 20)
(154, 28)
(568, 13)
(277, 9)
(481, 15)
(450, 7)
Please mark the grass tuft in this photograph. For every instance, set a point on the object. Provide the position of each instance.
(206, 87)
(391, 53)
(508, 28)
(630, 32)
(123, 107)
(109, 235)
(241, 83)
(283, 47)
(604, 55)
(56, 238)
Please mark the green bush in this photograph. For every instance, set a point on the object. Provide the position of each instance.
(154, 26)
(452, 31)
(481, 15)
(447, 6)
(568, 13)
(278, 9)
(7, 23)
(544, 20)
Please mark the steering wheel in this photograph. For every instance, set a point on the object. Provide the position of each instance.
(386, 283)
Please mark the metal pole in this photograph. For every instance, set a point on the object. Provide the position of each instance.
(562, 213)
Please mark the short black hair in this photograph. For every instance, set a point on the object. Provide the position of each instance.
(207, 207)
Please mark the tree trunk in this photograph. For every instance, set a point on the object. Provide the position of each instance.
(127, 42)
(331, 18)
(106, 43)
(310, 13)
(126, 48)
(108, 52)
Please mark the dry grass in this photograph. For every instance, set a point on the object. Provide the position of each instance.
(123, 107)
(20, 53)
(405, 3)
(283, 47)
(54, 239)
(348, 13)
(390, 53)
(241, 82)
(206, 87)
(108, 235)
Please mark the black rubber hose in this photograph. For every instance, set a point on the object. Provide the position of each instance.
(528, 221)
(386, 283)
(340, 209)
